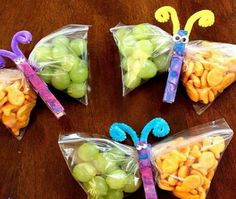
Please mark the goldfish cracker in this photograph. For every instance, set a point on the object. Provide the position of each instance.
(192, 92)
(203, 95)
(169, 165)
(16, 97)
(2, 94)
(3, 101)
(24, 111)
(207, 160)
(9, 120)
(172, 180)
(8, 108)
(165, 186)
(195, 151)
(215, 77)
(204, 79)
(196, 81)
(184, 195)
(198, 69)
(183, 172)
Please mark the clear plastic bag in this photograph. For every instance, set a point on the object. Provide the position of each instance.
(145, 51)
(209, 68)
(104, 168)
(61, 60)
(17, 99)
(186, 162)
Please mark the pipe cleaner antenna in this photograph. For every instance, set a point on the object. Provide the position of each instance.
(164, 14)
(205, 19)
(118, 133)
(158, 126)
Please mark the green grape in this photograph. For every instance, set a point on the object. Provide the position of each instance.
(79, 73)
(161, 44)
(124, 63)
(133, 184)
(61, 39)
(117, 153)
(60, 80)
(43, 53)
(88, 151)
(121, 33)
(76, 90)
(58, 51)
(131, 80)
(162, 62)
(142, 31)
(114, 194)
(143, 49)
(127, 45)
(84, 172)
(147, 70)
(46, 74)
(79, 46)
(104, 163)
(69, 61)
(117, 179)
(97, 187)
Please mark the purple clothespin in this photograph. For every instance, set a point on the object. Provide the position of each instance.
(25, 37)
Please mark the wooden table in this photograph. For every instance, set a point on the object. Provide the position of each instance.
(34, 167)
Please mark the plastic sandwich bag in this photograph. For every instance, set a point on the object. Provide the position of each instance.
(186, 162)
(145, 51)
(104, 168)
(61, 60)
(209, 68)
(17, 99)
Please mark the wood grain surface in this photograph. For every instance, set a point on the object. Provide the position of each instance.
(34, 168)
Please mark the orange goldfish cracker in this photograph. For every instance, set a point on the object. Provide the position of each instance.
(8, 108)
(183, 172)
(210, 174)
(192, 92)
(207, 160)
(227, 80)
(218, 146)
(169, 165)
(196, 81)
(211, 96)
(10, 120)
(194, 192)
(195, 152)
(16, 97)
(191, 182)
(204, 79)
(203, 95)
(201, 168)
(24, 112)
(189, 69)
(172, 180)
(207, 66)
(215, 77)
(203, 195)
(199, 69)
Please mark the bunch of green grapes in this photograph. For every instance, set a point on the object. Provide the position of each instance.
(64, 65)
(144, 52)
(105, 174)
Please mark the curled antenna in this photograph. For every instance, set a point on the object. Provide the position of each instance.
(119, 131)
(21, 37)
(158, 126)
(205, 18)
(164, 14)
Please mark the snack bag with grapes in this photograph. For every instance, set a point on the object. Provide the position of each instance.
(61, 60)
(110, 170)
(145, 51)
(209, 68)
(104, 168)
(17, 99)
(186, 162)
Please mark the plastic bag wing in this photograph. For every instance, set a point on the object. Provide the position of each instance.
(186, 163)
(61, 60)
(103, 168)
(209, 68)
(17, 99)
(145, 51)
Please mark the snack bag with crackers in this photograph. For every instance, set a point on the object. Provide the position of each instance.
(17, 99)
(209, 68)
(186, 162)
(61, 60)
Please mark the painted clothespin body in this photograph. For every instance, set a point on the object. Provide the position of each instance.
(25, 37)
(160, 128)
(181, 37)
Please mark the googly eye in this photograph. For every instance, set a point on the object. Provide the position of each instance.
(139, 147)
(144, 146)
(184, 39)
(177, 37)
